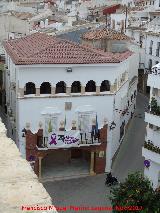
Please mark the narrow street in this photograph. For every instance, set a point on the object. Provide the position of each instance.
(91, 191)
(129, 157)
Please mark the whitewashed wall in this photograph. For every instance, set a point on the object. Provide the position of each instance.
(103, 105)
(118, 18)
(153, 57)
(82, 73)
(12, 24)
(29, 109)
(153, 173)
(156, 5)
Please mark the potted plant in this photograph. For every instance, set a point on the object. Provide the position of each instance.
(153, 106)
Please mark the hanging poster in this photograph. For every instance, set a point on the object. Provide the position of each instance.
(64, 139)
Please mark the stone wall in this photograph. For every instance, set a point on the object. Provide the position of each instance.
(19, 185)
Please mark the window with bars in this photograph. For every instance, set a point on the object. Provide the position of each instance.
(158, 48)
(150, 64)
(150, 48)
(84, 122)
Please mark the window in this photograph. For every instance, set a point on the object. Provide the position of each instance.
(45, 88)
(30, 88)
(61, 87)
(90, 86)
(122, 130)
(157, 62)
(84, 121)
(113, 24)
(141, 41)
(150, 64)
(76, 87)
(158, 48)
(105, 86)
(87, 128)
(131, 98)
(51, 125)
(150, 48)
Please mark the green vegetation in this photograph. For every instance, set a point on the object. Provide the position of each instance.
(155, 109)
(135, 191)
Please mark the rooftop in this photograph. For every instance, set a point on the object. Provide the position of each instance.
(22, 15)
(40, 48)
(74, 36)
(153, 27)
(104, 34)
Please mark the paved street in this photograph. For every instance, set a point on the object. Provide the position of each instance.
(90, 191)
(130, 157)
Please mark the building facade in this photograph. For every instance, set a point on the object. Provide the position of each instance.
(151, 149)
(56, 83)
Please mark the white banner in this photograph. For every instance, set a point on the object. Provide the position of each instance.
(64, 139)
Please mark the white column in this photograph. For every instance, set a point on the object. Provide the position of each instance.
(40, 167)
(92, 164)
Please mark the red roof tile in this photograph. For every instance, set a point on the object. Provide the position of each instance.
(40, 48)
(104, 34)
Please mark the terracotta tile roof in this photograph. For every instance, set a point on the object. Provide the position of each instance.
(22, 16)
(40, 48)
(104, 34)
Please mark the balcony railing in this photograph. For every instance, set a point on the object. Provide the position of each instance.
(157, 52)
(150, 146)
(94, 139)
(150, 50)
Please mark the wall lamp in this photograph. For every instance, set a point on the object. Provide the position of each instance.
(24, 131)
(112, 126)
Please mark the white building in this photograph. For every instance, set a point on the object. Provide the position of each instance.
(143, 26)
(118, 21)
(44, 71)
(13, 22)
(151, 149)
(152, 43)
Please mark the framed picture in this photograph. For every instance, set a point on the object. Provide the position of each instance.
(101, 154)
